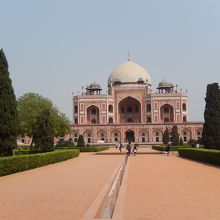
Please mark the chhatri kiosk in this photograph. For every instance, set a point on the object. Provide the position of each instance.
(131, 110)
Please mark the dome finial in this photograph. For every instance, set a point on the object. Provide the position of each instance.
(129, 56)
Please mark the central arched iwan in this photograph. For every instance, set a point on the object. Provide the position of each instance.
(129, 110)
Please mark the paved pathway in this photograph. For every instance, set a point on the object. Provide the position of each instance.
(157, 188)
(59, 191)
(161, 187)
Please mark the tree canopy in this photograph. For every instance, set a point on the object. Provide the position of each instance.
(80, 141)
(8, 110)
(30, 105)
(175, 140)
(166, 136)
(43, 136)
(211, 128)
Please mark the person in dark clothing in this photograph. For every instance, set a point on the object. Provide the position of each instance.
(135, 149)
(128, 148)
(168, 148)
(120, 147)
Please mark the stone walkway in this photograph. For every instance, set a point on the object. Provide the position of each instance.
(156, 187)
(59, 191)
(163, 187)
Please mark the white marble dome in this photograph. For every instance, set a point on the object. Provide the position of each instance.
(129, 72)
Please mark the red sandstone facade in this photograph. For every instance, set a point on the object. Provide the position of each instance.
(130, 110)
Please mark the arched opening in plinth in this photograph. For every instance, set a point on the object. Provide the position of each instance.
(102, 136)
(157, 135)
(88, 138)
(129, 136)
(129, 110)
(115, 136)
(143, 136)
(186, 135)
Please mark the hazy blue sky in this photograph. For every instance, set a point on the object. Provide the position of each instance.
(55, 47)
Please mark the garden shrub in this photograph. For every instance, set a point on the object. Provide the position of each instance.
(61, 143)
(204, 155)
(80, 141)
(14, 164)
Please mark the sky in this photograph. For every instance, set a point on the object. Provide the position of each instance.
(55, 47)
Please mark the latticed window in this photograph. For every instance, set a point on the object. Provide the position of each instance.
(166, 110)
(110, 108)
(93, 111)
(75, 109)
(148, 108)
(129, 109)
(184, 106)
(110, 120)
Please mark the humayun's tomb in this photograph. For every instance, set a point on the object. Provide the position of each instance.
(131, 110)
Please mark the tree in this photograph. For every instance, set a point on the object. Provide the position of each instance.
(211, 127)
(61, 124)
(43, 137)
(30, 105)
(174, 136)
(181, 142)
(166, 136)
(8, 110)
(80, 141)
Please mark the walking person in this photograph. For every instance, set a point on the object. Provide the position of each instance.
(128, 148)
(135, 149)
(120, 147)
(117, 145)
(168, 148)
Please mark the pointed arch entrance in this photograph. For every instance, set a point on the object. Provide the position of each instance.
(129, 136)
(167, 113)
(129, 110)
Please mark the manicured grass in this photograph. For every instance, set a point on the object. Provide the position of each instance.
(173, 148)
(89, 149)
(204, 155)
(24, 152)
(14, 164)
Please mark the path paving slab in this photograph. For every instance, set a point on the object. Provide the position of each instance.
(59, 191)
(160, 187)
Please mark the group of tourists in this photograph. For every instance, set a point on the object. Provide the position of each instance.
(128, 148)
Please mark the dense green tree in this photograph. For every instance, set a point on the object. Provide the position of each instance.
(211, 128)
(30, 105)
(174, 136)
(43, 137)
(80, 141)
(181, 142)
(8, 110)
(166, 136)
(61, 124)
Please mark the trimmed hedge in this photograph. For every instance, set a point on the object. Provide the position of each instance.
(89, 149)
(14, 164)
(203, 155)
(93, 149)
(24, 152)
(173, 148)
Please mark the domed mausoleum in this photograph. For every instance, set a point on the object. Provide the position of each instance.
(129, 73)
(130, 111)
